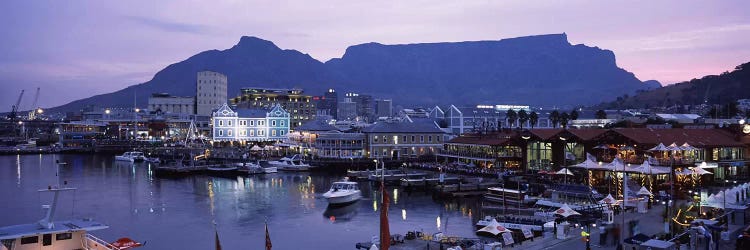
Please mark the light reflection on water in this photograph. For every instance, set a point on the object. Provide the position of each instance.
(179, 213)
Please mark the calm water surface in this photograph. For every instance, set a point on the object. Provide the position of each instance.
(179, 213)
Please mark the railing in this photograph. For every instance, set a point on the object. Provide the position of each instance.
(98, 243)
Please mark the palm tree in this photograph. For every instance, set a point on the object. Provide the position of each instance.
(600, 114)
(564, 118)
(533, 119)
(574, 115)
(523, 117)
(554, 117)
(511, 116)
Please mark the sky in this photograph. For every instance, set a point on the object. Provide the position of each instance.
(77, 49)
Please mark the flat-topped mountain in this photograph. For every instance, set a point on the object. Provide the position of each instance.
(535, 70)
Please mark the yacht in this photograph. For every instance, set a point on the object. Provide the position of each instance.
(290, 164)
(133, 156)
(255, 168)
(343, 192)
(69, 234)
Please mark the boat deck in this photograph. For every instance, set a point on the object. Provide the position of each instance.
(17, 231)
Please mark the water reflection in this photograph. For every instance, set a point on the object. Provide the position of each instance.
(341, 213)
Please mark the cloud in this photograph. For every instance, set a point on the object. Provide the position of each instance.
(169, 26)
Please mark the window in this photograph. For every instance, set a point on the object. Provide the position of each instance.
(229, 123)
(273, 132)
(282, 123)
(282, 132)
(252, 132)
(229, 132)
(421, 138)
(242, 132)
(221, 133)
(385, 139)
(221, 123)
(64, 236)
(412, 139)
(261, 132)
(273, 123)
(429, 139)
(375, 139)
(46, 239)
(252, 123)
(261, 123)
(30, 240)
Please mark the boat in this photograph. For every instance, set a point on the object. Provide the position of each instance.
(255, 168)
(222, 168)
(290, 164)
(132, 156)
(67, 234)
(343, 192)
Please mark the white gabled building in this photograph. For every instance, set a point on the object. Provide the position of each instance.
(250, 124)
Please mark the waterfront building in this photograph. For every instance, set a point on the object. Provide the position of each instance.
(347, 110)
(383, 107)
(166, 103)
(301, 108)
(487, 118)
(398, 140)
(243, 125)
(81, 134)
(211, 92)
(302, 138)
(500, 149)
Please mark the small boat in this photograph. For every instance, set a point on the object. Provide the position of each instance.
(222, 168)
(343, 192)
(255, 168)
(290, 164)
(68, 234)
(133, 156)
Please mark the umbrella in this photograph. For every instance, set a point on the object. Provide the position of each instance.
(659, 147)
(256, 148)
(566, 211)
(673, 147)
(587, 164)
(705, 165)
(564, 171)
(687, 147)
(616, 165)
(626, 148)
(493, 228)
(700, 171)
(608, 200)
(646, 168)
(644, 191)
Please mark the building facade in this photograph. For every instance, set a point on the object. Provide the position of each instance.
(403, 140)
(167, 103)
(301, 108)
(328, 103)
(384, 108)
(211, 92)
(347, 110)
(250, 124)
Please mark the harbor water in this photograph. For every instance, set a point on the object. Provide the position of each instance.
(182, 213)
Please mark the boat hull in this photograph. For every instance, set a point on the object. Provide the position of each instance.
(344, 200)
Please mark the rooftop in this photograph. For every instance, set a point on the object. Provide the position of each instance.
(17, 231)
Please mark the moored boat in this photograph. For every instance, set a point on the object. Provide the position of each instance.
(294, 163)
(132, 156)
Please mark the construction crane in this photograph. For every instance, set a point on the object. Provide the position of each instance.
(14, 111)
(34, 109)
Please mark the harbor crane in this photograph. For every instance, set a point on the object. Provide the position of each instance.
(14, 110)
(35, 110)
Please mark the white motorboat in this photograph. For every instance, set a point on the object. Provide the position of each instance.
(290, 164)
(255, 168)
(343, 192)
(68, 234)
(132, 156)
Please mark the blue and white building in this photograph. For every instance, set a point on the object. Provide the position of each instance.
(250, 124)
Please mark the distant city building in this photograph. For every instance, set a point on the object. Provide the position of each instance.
(250, 124)
(365, 106)
(301, 108)
(167, 103)
(328, 103)
(347, 109)
(384, 107)
(211, 92)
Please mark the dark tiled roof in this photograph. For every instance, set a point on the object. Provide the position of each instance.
(587, 134)
(251, 113)
(316, 125)
(492, 139)
(545, 134)
(696, 137)
(404, 127)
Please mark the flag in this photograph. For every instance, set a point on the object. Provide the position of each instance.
(218, 244)
(268, 239)
(385, 232)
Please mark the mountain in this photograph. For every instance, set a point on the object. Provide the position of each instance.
(535, 70)
(713, 89)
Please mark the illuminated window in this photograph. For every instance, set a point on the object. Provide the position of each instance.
(273, 132)
(229, 132)
(252, 132)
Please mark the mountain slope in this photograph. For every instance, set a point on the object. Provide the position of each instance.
(713, 89)
(535, 70)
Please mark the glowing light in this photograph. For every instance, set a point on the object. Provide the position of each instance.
(395, 196)
(403, 214)
(374, 205)
(438, 222)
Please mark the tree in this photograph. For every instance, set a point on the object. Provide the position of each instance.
(600, 114)
(564, 118)
(523, 117)
(511, 116)
(554, 117)
(574, 114)
(533, 119)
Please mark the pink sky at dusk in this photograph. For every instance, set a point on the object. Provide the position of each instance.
(76, 49)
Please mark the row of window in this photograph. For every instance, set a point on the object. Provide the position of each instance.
(47, 238)
(252, 123)
(252, 132)
(404, 139)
